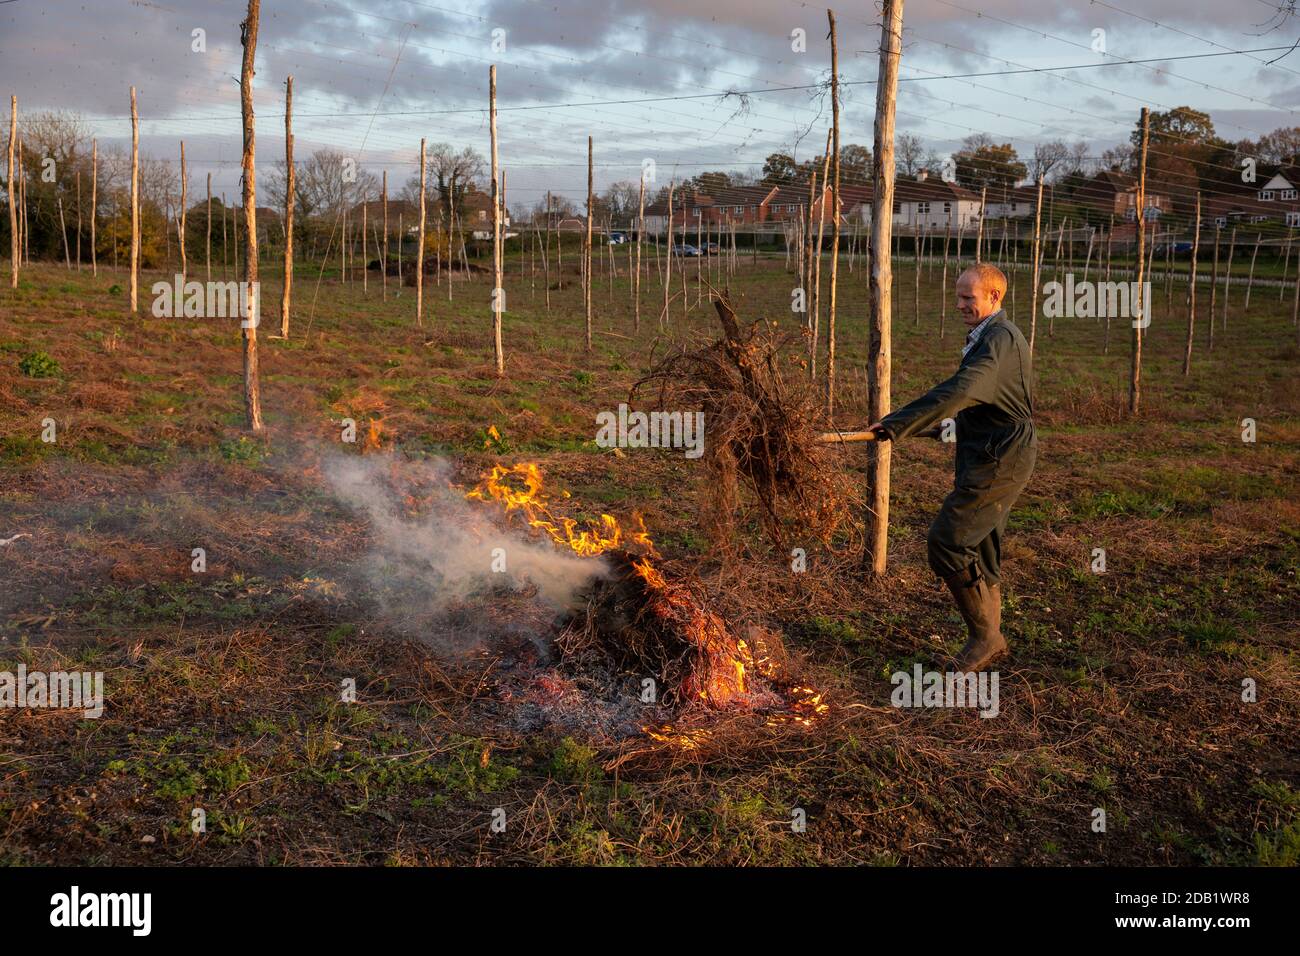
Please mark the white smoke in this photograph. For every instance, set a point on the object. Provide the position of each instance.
(454, 550)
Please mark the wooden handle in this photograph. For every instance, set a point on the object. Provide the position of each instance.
(843, 438)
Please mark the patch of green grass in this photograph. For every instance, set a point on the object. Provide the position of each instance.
(242, 450)
(38, 365)
(574, 763)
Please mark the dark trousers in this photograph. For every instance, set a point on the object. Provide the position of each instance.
(973, 519)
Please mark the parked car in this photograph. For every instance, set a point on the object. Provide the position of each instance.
(617, 238)
(710, 248)
(687, 250)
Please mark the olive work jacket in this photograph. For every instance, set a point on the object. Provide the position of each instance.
(991, 397)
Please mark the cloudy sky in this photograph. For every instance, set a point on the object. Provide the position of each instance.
(693, 85)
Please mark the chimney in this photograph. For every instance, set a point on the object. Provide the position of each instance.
(922, 175)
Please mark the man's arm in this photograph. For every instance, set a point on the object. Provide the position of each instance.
(974, 382)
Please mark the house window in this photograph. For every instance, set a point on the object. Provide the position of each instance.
(1220, 221)
(1266, 195)
(739, 210)
(1259, 218)
(1287, 194)
(482, 215)
(947, 207)
(1293, 219)
(923, 209)
(697, 214)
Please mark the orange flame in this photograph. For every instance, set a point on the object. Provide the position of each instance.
(725, 663)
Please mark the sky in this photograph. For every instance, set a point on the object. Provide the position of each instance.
(727, 84)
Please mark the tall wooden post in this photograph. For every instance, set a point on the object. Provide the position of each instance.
(979, 236)
(78, 220)
(587, 247)
(668, 257)
(878, 397)
(640, 232)
(835, 219)
(1250, 277)
(207, 254)
(1141, 310)
(383, 256)
(185, 192)
(135, 204)
(1037, 266)
(1191, 289)
(419, 247)
(11, 191)
(252, 387)
(1227, 278)
(498, 292)
(290, 185)
(1214, 289)
(94, 204)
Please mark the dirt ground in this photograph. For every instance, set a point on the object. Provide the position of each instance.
(1124, 691)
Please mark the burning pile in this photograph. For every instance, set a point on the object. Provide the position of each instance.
(645, 623)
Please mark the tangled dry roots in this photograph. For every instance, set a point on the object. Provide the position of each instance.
(760, 430)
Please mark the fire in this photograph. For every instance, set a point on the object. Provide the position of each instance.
(596, 537)
(725, 666)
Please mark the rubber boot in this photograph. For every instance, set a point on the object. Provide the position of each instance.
(981, 608)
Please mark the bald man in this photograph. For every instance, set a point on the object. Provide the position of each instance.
(991, 397)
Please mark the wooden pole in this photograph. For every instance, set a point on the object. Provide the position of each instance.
(11, 191)
(835, 220)
(1037, 266)
(252, 387)
(668, 258)
(546, 255)
(135, 204)
(291, 181)
(1191, 289)
(979, 236)
(821, 232)
(943, 294)
(383, 254)
(640, 232)
(419, 245)
(498, 199)
(63, 231)
(365, 271)
(1214, 290)
(878, 391)
(1141, 310)
(1250, 278)
(94, 204)
(809, 295)
(78, 220)
(587, 246)
(1227, 278)
(180, 236)
(207, 253)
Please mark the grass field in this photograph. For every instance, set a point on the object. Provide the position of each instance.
(1124, 690)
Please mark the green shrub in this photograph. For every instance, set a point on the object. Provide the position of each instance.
(38, 365)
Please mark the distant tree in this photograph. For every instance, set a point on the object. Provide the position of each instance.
(1077, 161)
(995, 166)
(909, 154)
(1048, 156)
(1118, 159)
(449, 174)
(779, 168)
(1280, 147)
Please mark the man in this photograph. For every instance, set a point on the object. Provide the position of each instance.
(991, 396)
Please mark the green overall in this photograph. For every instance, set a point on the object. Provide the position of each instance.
(992, 400)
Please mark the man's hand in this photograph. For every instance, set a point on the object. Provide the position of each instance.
(880, 431)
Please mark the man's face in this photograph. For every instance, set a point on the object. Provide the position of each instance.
(975, 300)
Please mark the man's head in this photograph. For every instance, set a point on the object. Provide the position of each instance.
(980, 290)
